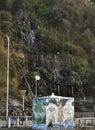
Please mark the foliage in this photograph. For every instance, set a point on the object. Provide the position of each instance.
(60, 26)
(5, 16)
(5, 21)
(5, 26)
(2, 65)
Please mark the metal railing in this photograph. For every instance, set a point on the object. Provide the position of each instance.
(83, 114)
(26, 122)
(15, 121)
(87, 121)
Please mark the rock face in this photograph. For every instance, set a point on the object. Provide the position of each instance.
(14, 105)
(15, 102)
(27, 36)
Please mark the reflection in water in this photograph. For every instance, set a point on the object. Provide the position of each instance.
(77, 128)
(84, 128)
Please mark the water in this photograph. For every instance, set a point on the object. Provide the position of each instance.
(77, 128)
(85, 128)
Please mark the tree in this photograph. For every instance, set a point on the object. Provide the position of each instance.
(2, 66)
(5, 21)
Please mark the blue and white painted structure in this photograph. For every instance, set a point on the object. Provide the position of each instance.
(59, 110)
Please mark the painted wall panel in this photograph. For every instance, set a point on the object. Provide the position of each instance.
(59, 110)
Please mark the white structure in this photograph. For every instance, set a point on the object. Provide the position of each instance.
(37, 77)
(23, 94)
(59, 110)
(7, 96)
